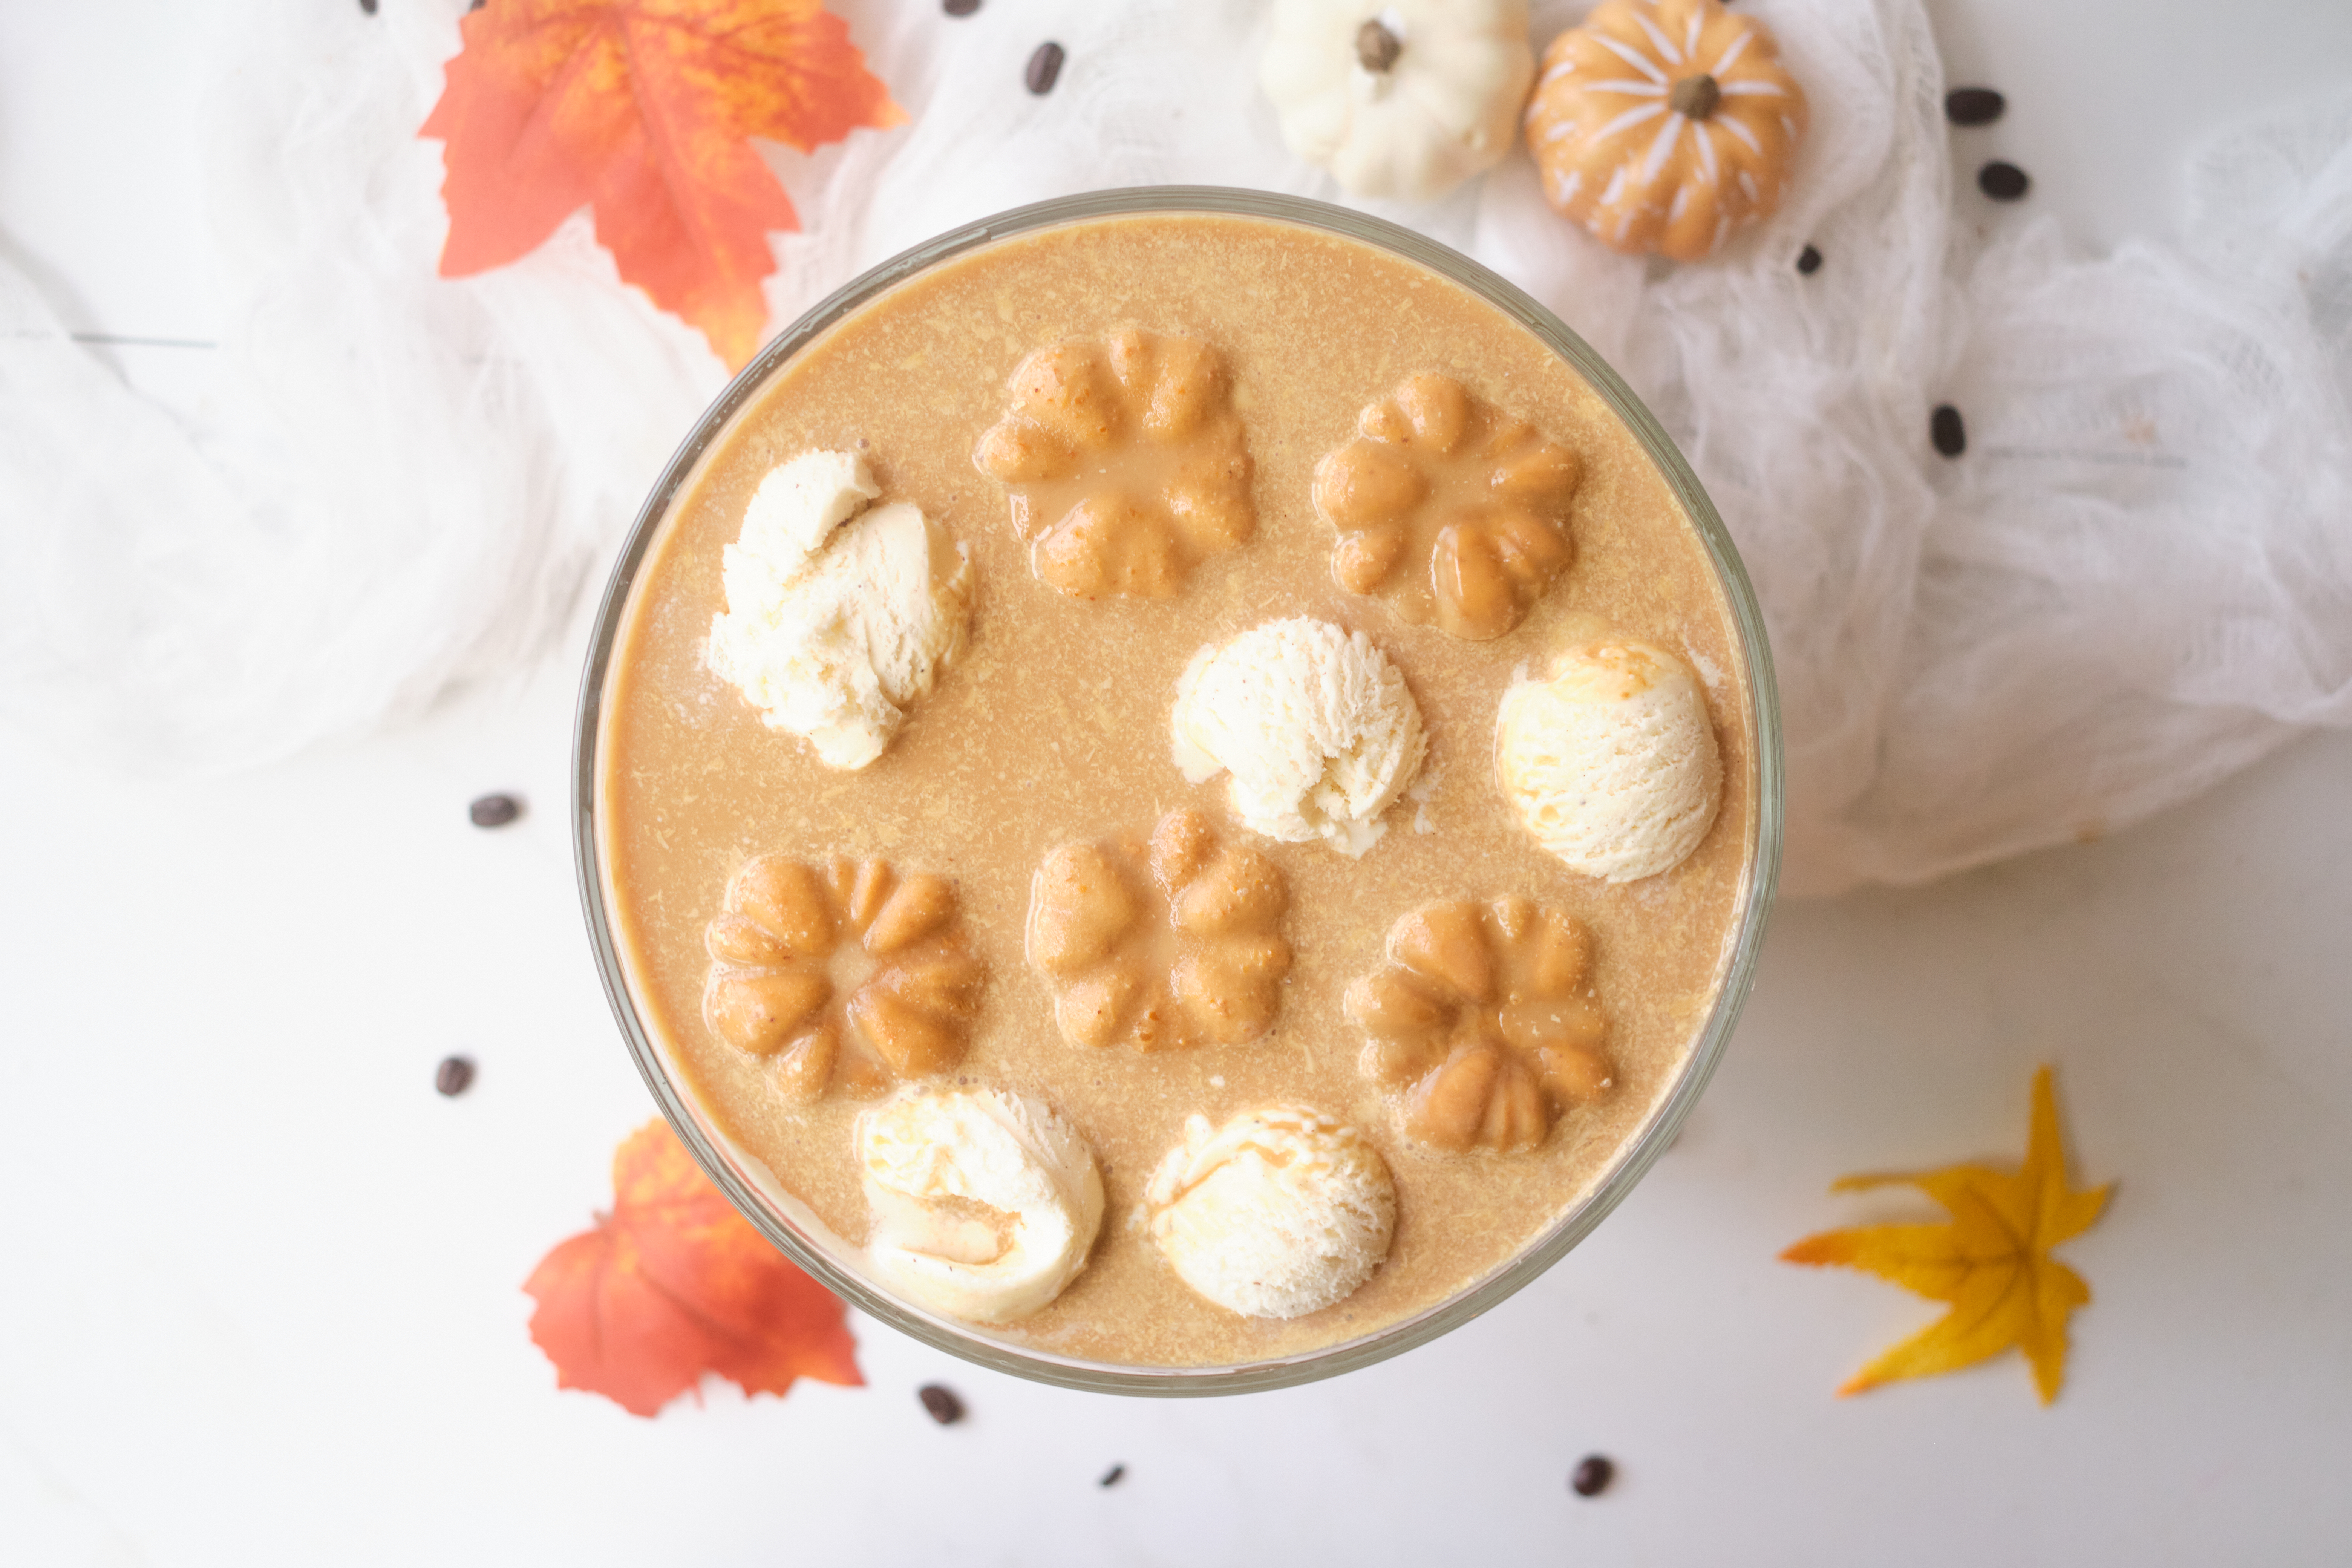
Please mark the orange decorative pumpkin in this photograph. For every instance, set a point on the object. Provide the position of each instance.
(1664, 125)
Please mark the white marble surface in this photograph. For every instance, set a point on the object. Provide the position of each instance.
(258, 1283)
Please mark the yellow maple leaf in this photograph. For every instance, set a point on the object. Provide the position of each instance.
(1991, 1261)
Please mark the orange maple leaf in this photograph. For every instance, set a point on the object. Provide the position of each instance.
(673, 1283)
(1991, 1261)
(643, 107)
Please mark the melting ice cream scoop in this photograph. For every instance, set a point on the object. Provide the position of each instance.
(1611, 762)
(985, 1202)
(1279, 1213)
(839, 615)
(1314, 723)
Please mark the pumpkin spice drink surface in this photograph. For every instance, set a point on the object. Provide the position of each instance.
(1048, 737)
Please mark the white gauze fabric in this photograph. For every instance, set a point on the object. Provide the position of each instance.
(2137, 579)
(401, 480)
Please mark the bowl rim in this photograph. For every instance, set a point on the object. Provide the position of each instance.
(972, 1343)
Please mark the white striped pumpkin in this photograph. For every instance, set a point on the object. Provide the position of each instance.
(1664, 125)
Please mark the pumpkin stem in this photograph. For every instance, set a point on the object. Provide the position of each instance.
(1376, 48)
(1696, 96)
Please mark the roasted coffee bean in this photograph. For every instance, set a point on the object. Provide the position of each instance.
(945, 1408)
(958, 7)
(1945, 429)
(368, 6)
(494, 810)
(1591, 1475)
(1045, 69)
(1809, 261)
(2002, 182)
(1111, 1477)
(1973, 106)
(453, 1076)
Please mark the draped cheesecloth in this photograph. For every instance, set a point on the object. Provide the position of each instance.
(2137, 579)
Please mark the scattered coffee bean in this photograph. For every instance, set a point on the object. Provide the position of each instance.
(958, 7)
(1111, 1477)
(368, 6)
(1809, 261)
(1591, 1475)
(1973, 106)
(1945, 429)
(453, 1076)
(494, 810)
(2002, 182)
(1045, 69)
(945, 1408)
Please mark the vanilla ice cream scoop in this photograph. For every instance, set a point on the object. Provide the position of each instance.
(838, 615)
(1279, 1213)
(985, 1203)
(1611, 762)
(1314, 723)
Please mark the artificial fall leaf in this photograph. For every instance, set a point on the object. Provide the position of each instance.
(1991, 1262)
(643, 107)
(673, 1283)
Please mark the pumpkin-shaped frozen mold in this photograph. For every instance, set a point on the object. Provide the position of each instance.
(1451, 509)
(1484, 1017)
(849, 974)
(1124, 462)
(1664, 125)
(1164, 944)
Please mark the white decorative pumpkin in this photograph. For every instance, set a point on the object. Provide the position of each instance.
(1406, 98)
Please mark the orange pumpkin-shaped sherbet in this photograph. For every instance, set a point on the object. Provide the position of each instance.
(1664, 125)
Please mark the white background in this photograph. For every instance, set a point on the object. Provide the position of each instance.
(258, 1283)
